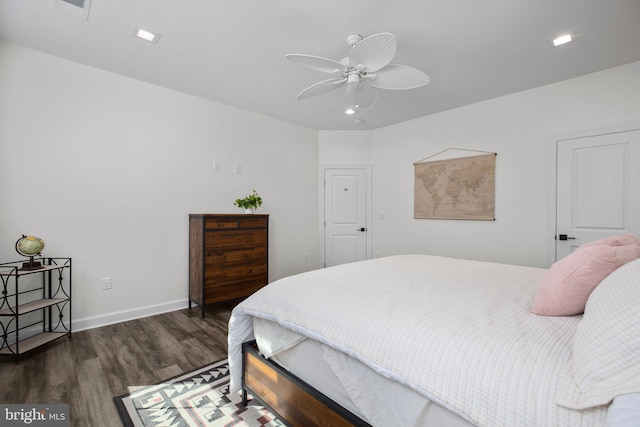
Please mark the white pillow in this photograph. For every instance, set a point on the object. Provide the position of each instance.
(605, 359)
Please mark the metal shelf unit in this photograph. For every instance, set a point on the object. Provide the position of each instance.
(50, 300)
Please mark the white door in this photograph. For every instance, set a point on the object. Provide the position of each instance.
(346, 225)
(598, 188)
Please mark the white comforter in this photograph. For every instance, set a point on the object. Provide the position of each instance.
(457, 331)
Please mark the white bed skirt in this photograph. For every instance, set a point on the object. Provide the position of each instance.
(347, 382)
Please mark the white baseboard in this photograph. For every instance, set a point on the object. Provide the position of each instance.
(123, 316)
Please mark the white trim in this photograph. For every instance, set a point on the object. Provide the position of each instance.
(125, 315)
(552, 166)
(552, 172)
(72, 9)
(323, 168)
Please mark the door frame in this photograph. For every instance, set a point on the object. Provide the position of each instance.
(552, 173)
(321, 204)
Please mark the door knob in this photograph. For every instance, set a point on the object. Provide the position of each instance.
(565, 237)
(362, 229)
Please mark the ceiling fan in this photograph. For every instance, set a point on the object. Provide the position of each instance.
(368, 65)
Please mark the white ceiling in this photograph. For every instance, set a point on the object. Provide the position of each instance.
(233, 51)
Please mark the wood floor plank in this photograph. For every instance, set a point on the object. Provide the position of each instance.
(35, 374)
(59, 362)
(94, 396)
(14, 389)
(179, 324)
(123, 360)
(162, 347)
(88, 370)
(82, 348)
(170, 371)
(196, 351)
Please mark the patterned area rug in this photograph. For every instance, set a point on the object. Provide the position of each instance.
(198, 398)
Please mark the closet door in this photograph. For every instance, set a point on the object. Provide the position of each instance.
(346, 224)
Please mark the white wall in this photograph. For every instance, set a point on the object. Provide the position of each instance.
(517, 127)
(106, 169)
(345, 147)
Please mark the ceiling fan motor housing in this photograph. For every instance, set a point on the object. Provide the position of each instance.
(353, 78)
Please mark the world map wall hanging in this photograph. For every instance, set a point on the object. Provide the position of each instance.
(455, 188)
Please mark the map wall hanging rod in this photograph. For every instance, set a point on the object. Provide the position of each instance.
(453, 148)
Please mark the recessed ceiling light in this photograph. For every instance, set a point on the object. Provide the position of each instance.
(350, 111)
(146, 35)
(563, 39)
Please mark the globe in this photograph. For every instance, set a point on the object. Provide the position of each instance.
(29, 246)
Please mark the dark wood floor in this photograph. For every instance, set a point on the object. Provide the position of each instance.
(92, 367)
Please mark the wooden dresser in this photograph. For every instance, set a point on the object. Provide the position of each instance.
(228, 256)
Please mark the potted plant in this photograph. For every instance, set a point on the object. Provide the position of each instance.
(249, 203)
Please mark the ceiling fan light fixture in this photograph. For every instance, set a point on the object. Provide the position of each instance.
(353, 78)
(349, 111)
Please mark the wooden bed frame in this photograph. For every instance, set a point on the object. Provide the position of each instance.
(294, 402)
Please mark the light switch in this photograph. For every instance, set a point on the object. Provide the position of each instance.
(216, 166)
(238, 168)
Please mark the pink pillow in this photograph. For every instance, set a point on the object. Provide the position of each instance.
(565, 288)
(621, 240)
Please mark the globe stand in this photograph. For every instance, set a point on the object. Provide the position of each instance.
(31, 265)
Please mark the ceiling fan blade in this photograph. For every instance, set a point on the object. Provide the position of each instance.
(399, 77)
(373, 52)
(321, 87)
(361, 96)
(316, 63)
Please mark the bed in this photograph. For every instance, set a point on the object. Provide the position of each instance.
(420, 340)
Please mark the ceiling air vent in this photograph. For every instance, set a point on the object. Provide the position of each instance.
(79, 8)
(79, 3)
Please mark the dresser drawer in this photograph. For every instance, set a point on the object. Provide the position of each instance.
(228, 272)
(215, 257)
(220, 223)
(223, 291)
(249, 221)
(234, 238)
(253, 222)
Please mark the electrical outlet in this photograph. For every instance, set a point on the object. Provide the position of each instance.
(106, 283)
(306, 256)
